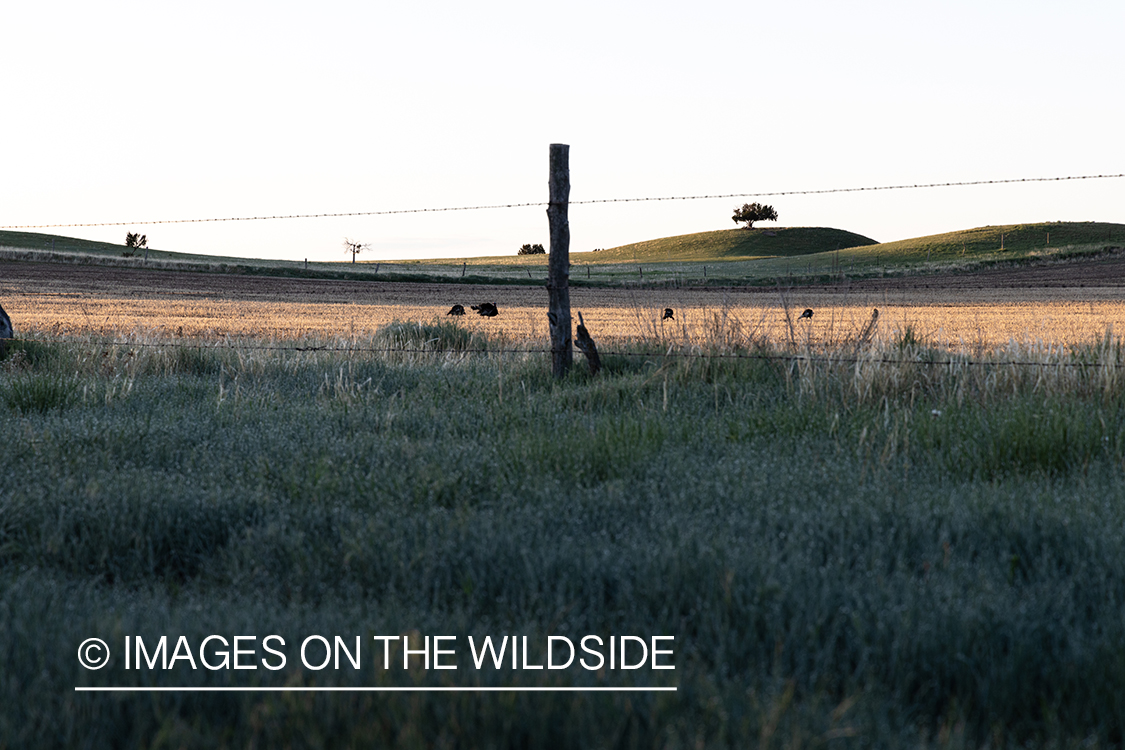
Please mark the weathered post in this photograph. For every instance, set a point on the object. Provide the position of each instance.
(558, 264)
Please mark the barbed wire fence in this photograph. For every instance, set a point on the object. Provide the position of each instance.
(664, 353)
(652, 199)
(669, 353)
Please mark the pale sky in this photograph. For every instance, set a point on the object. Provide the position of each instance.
(136, 111)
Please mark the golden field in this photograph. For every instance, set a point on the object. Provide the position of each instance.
(82, 301)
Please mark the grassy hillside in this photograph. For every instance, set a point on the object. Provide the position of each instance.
(964, 249)
(730, 244)
(32, 246)
(1012, 240)
(800, 254)
(70, 248)
(726, 257)
(58, 243)
(73, 245)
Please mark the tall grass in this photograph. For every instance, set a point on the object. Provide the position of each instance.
(883, 545)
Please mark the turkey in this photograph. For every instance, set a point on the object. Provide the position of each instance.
(487, 309)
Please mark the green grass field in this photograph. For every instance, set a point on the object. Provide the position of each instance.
(724, 257)
(890, 548)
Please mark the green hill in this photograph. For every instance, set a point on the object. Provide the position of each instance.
(53, 247)
(732, 256)
(1010, 241)
(57, 243)
(730, 244)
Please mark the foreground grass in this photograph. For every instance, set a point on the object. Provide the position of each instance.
(873, 550)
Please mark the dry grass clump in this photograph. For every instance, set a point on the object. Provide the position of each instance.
(902, 366)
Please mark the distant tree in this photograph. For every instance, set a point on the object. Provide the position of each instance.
(751, 212)
(355, 248)
(134, 242)
(535, 249)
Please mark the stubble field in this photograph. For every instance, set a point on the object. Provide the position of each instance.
(1054, 305)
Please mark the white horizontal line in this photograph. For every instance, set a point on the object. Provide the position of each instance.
(375, 689)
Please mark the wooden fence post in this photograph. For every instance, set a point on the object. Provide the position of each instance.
(558, 264)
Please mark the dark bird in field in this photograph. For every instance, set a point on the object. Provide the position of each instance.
(456, 310)
(487, 309)
(669, 314)
(806, 314)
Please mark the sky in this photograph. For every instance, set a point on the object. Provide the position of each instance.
(143, 111)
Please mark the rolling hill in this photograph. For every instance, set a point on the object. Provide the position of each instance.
(731, 256)
(730, 244)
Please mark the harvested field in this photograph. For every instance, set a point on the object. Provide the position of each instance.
(1051, 304)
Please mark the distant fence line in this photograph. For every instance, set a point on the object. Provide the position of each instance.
(811, 359)
(778, 193)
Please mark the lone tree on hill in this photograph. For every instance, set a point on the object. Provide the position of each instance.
(134, 242)
(535, 249)
(751, 212)
(355, 248)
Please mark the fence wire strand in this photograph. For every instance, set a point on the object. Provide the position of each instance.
(670, 353)
(772, 194)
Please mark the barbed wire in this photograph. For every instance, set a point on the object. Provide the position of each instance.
(772, 194)
(669, 353)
